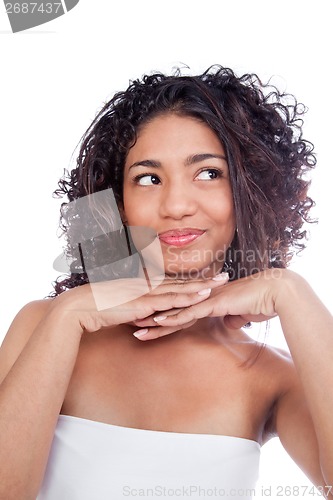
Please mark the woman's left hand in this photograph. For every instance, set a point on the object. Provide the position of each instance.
(238, 302)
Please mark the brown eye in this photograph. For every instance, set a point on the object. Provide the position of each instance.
(209, 174)
(147, 180)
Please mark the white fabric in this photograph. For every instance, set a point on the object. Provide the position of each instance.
(95, 461)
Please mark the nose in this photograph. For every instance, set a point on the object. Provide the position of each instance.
(177, 201)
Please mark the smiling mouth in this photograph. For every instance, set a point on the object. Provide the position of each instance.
(180, 237)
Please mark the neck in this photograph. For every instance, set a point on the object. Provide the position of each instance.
(206, 330)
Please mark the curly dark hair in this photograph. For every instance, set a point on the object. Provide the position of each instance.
(261, 131)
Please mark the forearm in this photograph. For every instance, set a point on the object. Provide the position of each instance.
(31, 397)
(308, 329)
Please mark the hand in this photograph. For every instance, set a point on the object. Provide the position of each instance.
(169, 296)
(247, 299)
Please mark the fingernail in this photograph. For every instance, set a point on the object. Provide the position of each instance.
(159, 318)
(140, 333)
(221, 276)
(206, 291)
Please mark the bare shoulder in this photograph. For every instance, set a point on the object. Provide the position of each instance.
(273, 374)
(279, 365)
(280, 358)
(283, 367)
(280, 371)
(273, 362)
(20, 331)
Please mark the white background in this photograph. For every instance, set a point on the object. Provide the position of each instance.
(55, 77)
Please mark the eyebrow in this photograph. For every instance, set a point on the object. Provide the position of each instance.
(191, 160)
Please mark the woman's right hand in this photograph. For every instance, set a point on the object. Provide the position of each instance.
(92, 304)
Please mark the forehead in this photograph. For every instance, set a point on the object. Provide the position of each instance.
(171, 134)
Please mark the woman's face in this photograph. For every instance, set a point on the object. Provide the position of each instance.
(176, 181)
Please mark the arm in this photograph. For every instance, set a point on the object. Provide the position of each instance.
(36, 363)
(308, 329)
(31, 395)
(304, 418)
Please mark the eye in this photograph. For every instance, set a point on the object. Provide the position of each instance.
(209, 174)
(146, 180)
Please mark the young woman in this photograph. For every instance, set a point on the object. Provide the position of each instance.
(160, 391)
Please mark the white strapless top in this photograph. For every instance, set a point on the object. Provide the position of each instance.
(95, 461)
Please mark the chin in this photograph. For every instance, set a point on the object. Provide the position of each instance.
(191, 272)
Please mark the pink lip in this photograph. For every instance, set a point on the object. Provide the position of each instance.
(180, 237)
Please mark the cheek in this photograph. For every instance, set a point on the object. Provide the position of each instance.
(136, 213)
(222, 210)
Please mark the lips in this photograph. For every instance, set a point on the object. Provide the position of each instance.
(180, 237)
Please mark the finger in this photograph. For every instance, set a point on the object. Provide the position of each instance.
(182, 281)
(149, 321)
(148, 305)
(159, 331)
(218, 280)
(183, 286)
(190, 313)
(171, 300)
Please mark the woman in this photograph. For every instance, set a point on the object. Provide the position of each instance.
(172, 393)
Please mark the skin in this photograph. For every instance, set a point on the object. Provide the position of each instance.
(169, 184)
(188, 372)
